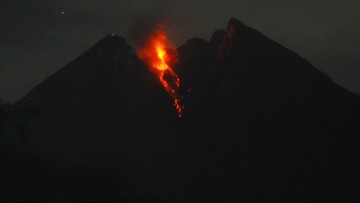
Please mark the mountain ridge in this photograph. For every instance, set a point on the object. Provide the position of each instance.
(260, 124)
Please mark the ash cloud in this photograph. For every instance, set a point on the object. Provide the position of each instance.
(144, 25)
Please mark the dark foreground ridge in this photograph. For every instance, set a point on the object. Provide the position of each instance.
(261, 124)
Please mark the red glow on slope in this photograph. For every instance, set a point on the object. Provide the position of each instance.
(155, 54)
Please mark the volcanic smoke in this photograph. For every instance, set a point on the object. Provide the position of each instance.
(155, 52)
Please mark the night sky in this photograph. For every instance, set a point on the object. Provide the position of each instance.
(38, 37)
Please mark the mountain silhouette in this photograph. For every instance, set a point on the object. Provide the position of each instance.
(260, 124)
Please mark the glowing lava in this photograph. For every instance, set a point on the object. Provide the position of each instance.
(155, 53)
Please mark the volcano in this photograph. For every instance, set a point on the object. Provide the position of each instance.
(260, 124)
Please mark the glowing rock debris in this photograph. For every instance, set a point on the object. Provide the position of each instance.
(155, 53)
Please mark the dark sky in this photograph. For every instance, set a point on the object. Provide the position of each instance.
(38, 37)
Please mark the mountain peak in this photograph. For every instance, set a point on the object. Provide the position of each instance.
(113, 38)
(239, 38)
(111, 43)
(111, 60)
(234, 23)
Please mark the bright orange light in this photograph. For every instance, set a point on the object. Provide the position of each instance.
(154, 54)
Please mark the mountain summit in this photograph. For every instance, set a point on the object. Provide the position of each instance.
(260, 124)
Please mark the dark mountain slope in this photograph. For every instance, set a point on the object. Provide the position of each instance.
(102, 122)
(262, 103)
(105, 89)
(261, 124)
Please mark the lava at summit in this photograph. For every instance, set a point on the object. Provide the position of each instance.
(155, 52)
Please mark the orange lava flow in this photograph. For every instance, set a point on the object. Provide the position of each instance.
(155, 54)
